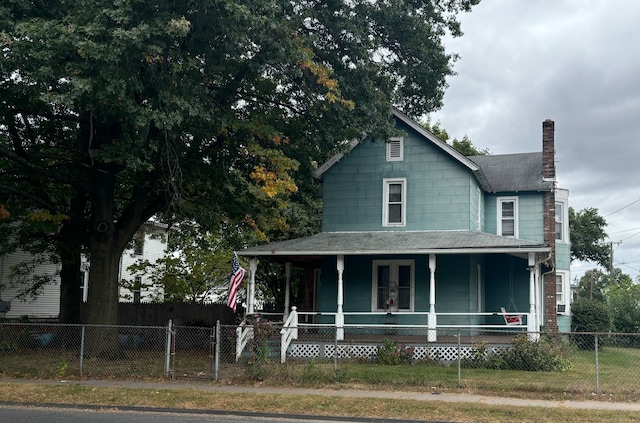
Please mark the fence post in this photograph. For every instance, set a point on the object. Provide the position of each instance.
(597, 367)
(81, 348)
(459, 362)
(216, 358)
(167, 356)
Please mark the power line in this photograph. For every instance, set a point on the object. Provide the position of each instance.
(622, 208)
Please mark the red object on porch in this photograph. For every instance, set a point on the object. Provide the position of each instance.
(511, 319)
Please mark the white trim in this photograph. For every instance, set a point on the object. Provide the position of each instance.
(479, 211)
(499, 202)
(386, 182)
(395, 149)
(393, 270)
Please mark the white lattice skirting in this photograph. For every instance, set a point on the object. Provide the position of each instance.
(443, 353)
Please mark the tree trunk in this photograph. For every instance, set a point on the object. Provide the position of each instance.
(102, 300)
(72, 238)
(71, 279)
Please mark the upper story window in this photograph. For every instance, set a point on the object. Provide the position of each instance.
(508, 216)
(559, 222)
(138, 248)
(562, 216)
(395, 149)
(393, 285)
(394, 202)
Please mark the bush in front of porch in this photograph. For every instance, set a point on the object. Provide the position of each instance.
(543, 355)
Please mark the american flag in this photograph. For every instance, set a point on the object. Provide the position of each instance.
(237, 273)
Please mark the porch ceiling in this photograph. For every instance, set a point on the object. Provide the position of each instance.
(311, 248)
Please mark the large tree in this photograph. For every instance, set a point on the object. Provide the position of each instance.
(115, 111)
(587, 234)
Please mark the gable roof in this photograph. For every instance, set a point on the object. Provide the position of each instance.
(511, 172)
(421, 130)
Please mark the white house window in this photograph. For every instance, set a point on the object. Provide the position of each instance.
(393, 283)
(394, 204)
(561, 292)
(561, 226)
(395, 149)
(138, 248)
(508, 216)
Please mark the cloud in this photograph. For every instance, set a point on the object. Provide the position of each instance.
(576, 62)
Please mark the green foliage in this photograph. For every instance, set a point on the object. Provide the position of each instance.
(201, 110)
(260, 351)
(481, 358)
(390, 353)
(464, 146)
(589, 315)
(195, 267)
(543, 355)
(587, 233)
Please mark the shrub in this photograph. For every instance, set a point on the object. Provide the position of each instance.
(391, 353)
(543, 355)
(588, 315)
(481, 358)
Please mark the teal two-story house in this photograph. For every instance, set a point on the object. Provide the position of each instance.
(414, 233)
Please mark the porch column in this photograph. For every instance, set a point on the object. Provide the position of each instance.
(287, 289)
(251, 287)
(532, 318)
(432, 333)
(339, 315)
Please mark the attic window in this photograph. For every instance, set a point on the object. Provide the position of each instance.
(395, 149)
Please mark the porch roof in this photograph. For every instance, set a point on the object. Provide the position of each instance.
(393, 242)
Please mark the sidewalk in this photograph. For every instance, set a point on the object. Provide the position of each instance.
(417, 396)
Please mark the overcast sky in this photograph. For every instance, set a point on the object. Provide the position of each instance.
(577, 63)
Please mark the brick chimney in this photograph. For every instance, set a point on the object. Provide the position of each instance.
(549, 219)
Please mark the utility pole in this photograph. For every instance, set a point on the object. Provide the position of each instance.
(611, 255)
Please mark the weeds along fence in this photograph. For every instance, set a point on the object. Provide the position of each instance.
(388, 356)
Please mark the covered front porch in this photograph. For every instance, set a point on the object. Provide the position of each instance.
(427, 284)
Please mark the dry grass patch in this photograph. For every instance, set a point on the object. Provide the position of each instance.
(320, 405)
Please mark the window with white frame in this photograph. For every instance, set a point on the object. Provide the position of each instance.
(561, 295)
(395, 149)
(393, 285)
(560, 222)
(394, 202)
(508, 216)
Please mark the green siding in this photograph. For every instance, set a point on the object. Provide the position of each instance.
(530, 218)
(563, 256)
(439, 189)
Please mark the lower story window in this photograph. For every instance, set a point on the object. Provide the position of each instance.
(393, 283)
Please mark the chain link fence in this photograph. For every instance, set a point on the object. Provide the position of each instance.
(314, 355)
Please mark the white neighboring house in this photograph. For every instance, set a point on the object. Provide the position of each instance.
(150, 245)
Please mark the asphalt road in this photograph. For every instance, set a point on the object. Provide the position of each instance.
(83, 414)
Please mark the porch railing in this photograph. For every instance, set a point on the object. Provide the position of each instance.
(288, 332)
(244, 333)
(527, 317)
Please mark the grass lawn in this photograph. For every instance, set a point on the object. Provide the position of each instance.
(619, 372)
